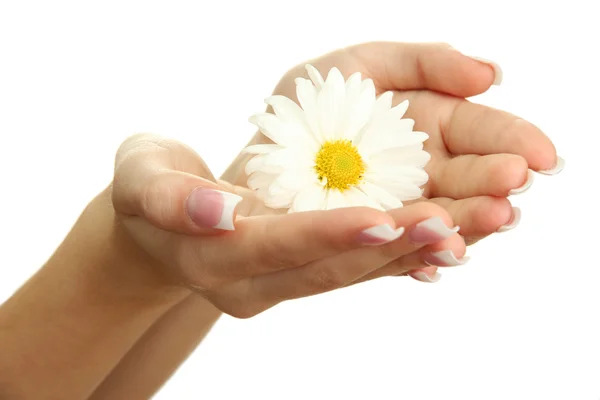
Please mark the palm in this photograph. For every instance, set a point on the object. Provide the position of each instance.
(478, 154)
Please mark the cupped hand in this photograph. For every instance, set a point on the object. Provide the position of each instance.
(174, 209)
(479, 155)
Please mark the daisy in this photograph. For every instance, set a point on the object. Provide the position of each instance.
(340, 147)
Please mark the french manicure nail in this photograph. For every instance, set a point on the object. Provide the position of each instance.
(210, 208)
(444, 258)
(423, 277)
(513, 222)
(560, 164)
(498, 74)
(430, 231)
(525, 186)
(380, 234)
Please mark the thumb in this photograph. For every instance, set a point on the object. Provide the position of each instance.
(181, 202)
(150, 185)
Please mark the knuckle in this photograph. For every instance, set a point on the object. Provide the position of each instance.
(147, 197)
(159, 201)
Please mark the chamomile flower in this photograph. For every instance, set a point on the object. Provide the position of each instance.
(340, 147)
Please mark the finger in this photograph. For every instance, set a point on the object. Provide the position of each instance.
(481, 216)
(426, 274)
(448, 253)
(472, 175)
(433, 66)
(147, 185)
(425, 223)
(476, 129)
(271, 243)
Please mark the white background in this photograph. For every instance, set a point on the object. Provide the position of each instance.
(520, 321)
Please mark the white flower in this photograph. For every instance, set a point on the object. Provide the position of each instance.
(343, 148)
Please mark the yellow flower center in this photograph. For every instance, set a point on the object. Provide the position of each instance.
(340, 164)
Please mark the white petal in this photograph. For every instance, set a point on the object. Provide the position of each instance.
(257, 163)
(331, 102)
(296, 179)
(260, 180)
(307, 96)
(368, 86)
(290, 113)
(336, 199)
(405, 125)
(280, 132)
(409, 155)
(384, 102)
(310, 198)
(386, 199)
(290, 158)
(282, 198)
(350, 107)
(315, 76)
(389, 141)
(399, 173)
(286, 109)
(362, 112)
(402, 190)
(357, 198)
(261, 148)
(400, 109)
(353, 84)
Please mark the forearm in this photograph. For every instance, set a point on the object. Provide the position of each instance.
(162, 349)
(172, 338)
(154, 358)
(71, 323)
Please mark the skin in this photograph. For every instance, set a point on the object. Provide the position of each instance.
(136, 285)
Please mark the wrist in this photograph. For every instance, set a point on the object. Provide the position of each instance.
(118, 260)
(76, 318)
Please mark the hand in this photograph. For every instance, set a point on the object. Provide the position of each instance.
(480, 155)
(173, 208)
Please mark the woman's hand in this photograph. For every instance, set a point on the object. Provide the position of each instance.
(480, 155)
(175, 210)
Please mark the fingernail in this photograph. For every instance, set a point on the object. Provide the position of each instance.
(525, 186)
(560, 164)
(430, 231)
(210, 208)
(423, 277)
(444, 258)
(513, 222)
(498, 74)
(380, 234)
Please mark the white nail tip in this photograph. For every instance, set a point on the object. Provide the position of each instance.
(498, 74)
(514, 222)
(560, 165)
(448, 259)
(525, 186)
(435, 224)
(230, 202)
(384, 232)
(423, 277)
